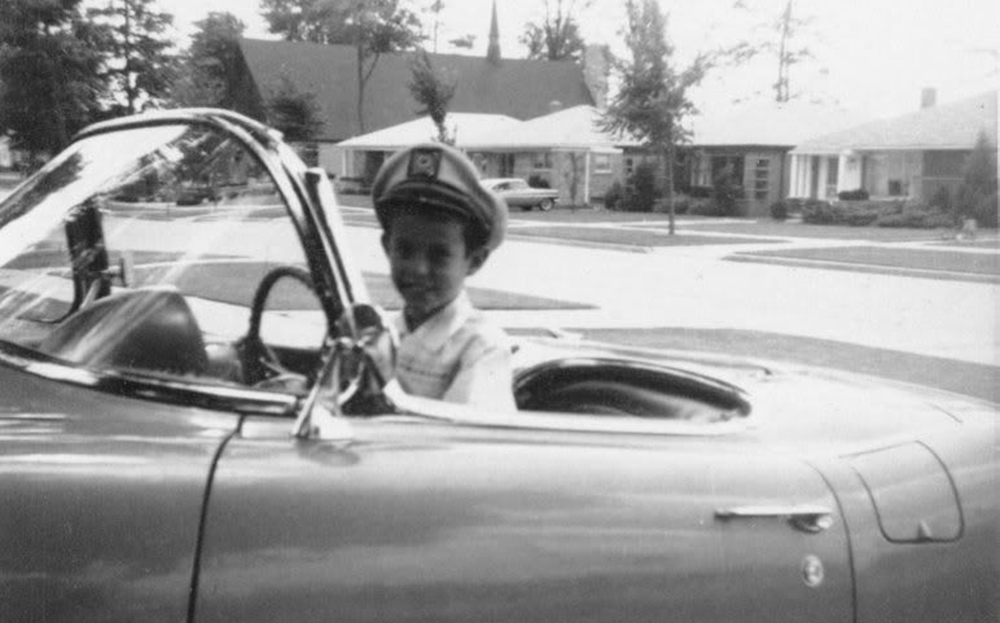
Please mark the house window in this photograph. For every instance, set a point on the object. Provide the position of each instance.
(731, 166)
(761, 178)
(602, 163)
(832, 175)
(541, 160)
(506, 165)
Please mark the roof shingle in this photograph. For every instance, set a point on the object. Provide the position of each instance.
(517, 88)
(954, 125)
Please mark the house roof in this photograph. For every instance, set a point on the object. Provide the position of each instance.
(774, 124)
(569, 128)
(469, 129)
(517, 88)
(955, 125)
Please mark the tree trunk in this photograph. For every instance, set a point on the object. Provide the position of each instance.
(668, 157)
(361, 90)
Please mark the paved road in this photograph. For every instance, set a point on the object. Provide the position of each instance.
(693, 287)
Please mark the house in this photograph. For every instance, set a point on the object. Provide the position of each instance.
(521, 89)
(564, 149)
(910, 156)
(752, 143)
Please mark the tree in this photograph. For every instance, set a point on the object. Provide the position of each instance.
(557, 37)
(138, 63)
(294, 113)
(300, 20)
(212, 60)
(372, 27)
(977, 194)
(781, 37)
(49, 70)
(652, 99)
(433, 91)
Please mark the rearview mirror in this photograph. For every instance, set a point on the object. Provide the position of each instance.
(355, 368)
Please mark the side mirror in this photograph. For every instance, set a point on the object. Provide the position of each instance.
(356, 366)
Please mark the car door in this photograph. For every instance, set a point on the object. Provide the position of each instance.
(100, 500)
(424, 521)
(123, 316)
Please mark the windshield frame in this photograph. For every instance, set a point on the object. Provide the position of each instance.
(288, 174)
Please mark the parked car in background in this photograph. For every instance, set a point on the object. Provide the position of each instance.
(198, 423)
(518, 194)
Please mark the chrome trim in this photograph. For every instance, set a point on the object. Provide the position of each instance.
(805, 517)
(162, 390)
(417, 409)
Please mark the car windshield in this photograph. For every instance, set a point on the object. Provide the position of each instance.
(141, 249)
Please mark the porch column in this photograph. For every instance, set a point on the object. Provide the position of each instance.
(586, 177)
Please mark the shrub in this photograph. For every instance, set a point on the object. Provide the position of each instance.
(682, 204)
(779, 210)
(538, 181)
(977, 194)
(941, 199)
(613, 196)
(854, 214)
(916, 215)
(642, 192)
(705, 207)
(726, 192)
(858, 194)
(700, 192)
(985, 211)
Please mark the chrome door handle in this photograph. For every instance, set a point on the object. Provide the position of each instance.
(805, 517)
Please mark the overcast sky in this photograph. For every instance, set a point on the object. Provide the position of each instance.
(871, 56)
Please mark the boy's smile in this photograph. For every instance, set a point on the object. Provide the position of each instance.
(429, 262)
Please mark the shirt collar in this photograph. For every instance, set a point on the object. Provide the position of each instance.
(436, 330)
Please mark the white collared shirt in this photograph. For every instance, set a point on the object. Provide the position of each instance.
(456, 355)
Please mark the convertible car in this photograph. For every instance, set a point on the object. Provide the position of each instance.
(198, 423)
(518, 194)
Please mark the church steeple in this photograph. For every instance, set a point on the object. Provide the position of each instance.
(493, 51)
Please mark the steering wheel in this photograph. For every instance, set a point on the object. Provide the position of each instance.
(260, 363)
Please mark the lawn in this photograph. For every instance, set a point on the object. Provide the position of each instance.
(965, 378)
(628, 237)
(895, 257)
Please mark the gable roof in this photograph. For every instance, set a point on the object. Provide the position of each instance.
(469, 128)
(954, 125)
(570, 128)
(517, 88)
(773, 124)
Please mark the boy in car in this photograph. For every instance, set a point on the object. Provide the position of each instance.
(439, 227)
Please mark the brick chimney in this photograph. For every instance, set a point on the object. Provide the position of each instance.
(595, 73)
(928, 97)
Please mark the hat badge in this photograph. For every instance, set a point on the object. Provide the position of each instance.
(424, 163)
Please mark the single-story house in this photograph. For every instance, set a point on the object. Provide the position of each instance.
(517, 88)
(564, 149)
(909, 156)
(752, 144)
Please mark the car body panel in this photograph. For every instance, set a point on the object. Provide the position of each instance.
(804, 494)
(101, 498)
(417, 520)
(518, 194)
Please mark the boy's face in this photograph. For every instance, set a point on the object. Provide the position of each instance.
(429, 262)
